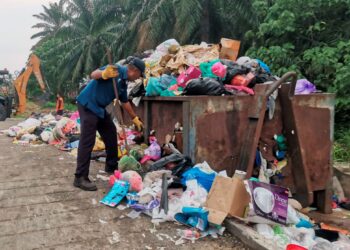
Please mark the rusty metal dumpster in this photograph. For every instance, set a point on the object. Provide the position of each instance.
(226, 131)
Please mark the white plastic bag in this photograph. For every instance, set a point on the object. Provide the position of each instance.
(265, 230)
(195, 195)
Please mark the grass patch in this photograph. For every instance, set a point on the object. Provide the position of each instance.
(342, 144)
(67, 106)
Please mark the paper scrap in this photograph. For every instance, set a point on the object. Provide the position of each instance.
(114, 239)
(102, 177)
(121, 207)
(133, 214)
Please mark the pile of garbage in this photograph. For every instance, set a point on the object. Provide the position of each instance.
(160, 182)
(46, 128)
(204, 69)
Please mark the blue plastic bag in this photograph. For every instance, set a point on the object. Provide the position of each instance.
(204, 179)
(264, 66)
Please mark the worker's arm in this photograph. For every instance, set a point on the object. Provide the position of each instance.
(128, 108)
(108, 72)
(135, 119)
(97, 74)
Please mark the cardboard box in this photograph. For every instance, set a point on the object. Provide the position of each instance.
(270, 201)
(229, 49)
(227, 197)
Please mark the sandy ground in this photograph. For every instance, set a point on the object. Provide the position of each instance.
(40, 209)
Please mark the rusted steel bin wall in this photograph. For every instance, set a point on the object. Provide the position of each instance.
(225, 131)
(214, 127)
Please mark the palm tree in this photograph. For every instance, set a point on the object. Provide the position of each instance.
(52, 19)
(92, 27)
(88, 27)
(152, 21)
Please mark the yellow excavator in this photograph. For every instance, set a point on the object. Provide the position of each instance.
(20, 83)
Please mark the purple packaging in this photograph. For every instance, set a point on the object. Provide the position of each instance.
(270, 201)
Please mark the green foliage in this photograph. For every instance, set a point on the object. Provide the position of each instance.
(52, 19)
(309, 37)
(342, 144)
(76, 33)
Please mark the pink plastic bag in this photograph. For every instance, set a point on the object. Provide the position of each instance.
(191, 73)
(219, 70)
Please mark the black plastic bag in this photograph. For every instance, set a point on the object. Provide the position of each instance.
(137, 91)
(182, 163)
(204, 86)
(233, 69)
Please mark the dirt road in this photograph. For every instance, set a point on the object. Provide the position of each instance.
(40, 209)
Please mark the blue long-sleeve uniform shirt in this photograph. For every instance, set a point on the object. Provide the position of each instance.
(98, 94)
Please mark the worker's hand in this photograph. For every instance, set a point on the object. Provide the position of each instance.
(111, 71)
(138, 123)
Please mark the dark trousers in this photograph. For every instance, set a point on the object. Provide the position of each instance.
(90, 123)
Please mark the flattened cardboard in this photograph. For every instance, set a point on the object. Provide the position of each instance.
(227, 196)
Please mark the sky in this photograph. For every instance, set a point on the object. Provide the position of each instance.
(16, 20)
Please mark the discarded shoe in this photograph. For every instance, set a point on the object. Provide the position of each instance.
(84, 184)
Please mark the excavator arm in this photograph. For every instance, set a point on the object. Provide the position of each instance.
(21, 82)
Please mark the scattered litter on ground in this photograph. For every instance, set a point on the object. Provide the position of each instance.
(121, 207)
(133, 214)
(157, 180)
(102, 177)
(114, 239)
(102, 221)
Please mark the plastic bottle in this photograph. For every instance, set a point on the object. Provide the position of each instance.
(281, 142)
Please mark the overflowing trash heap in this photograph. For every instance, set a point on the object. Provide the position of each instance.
(204, 69)
(162, 183)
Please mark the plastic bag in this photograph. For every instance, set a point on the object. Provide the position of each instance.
(219, 70)
(156, 86)
(191, 73)
(292, 216)
(29, 123)
(204, 86)
(130, 176)
(63, 127)
(206, 68)
(164, 46)
(195, 195)
(264, 66)
(129, 163)
(265, 230)
(204, 176)
(137, 91)
(304, 87)
(153, 152)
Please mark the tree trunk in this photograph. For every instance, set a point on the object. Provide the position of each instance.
(205, 24)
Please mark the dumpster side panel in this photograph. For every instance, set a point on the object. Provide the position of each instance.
(224, 130)
(162, 117)
(314, 122)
